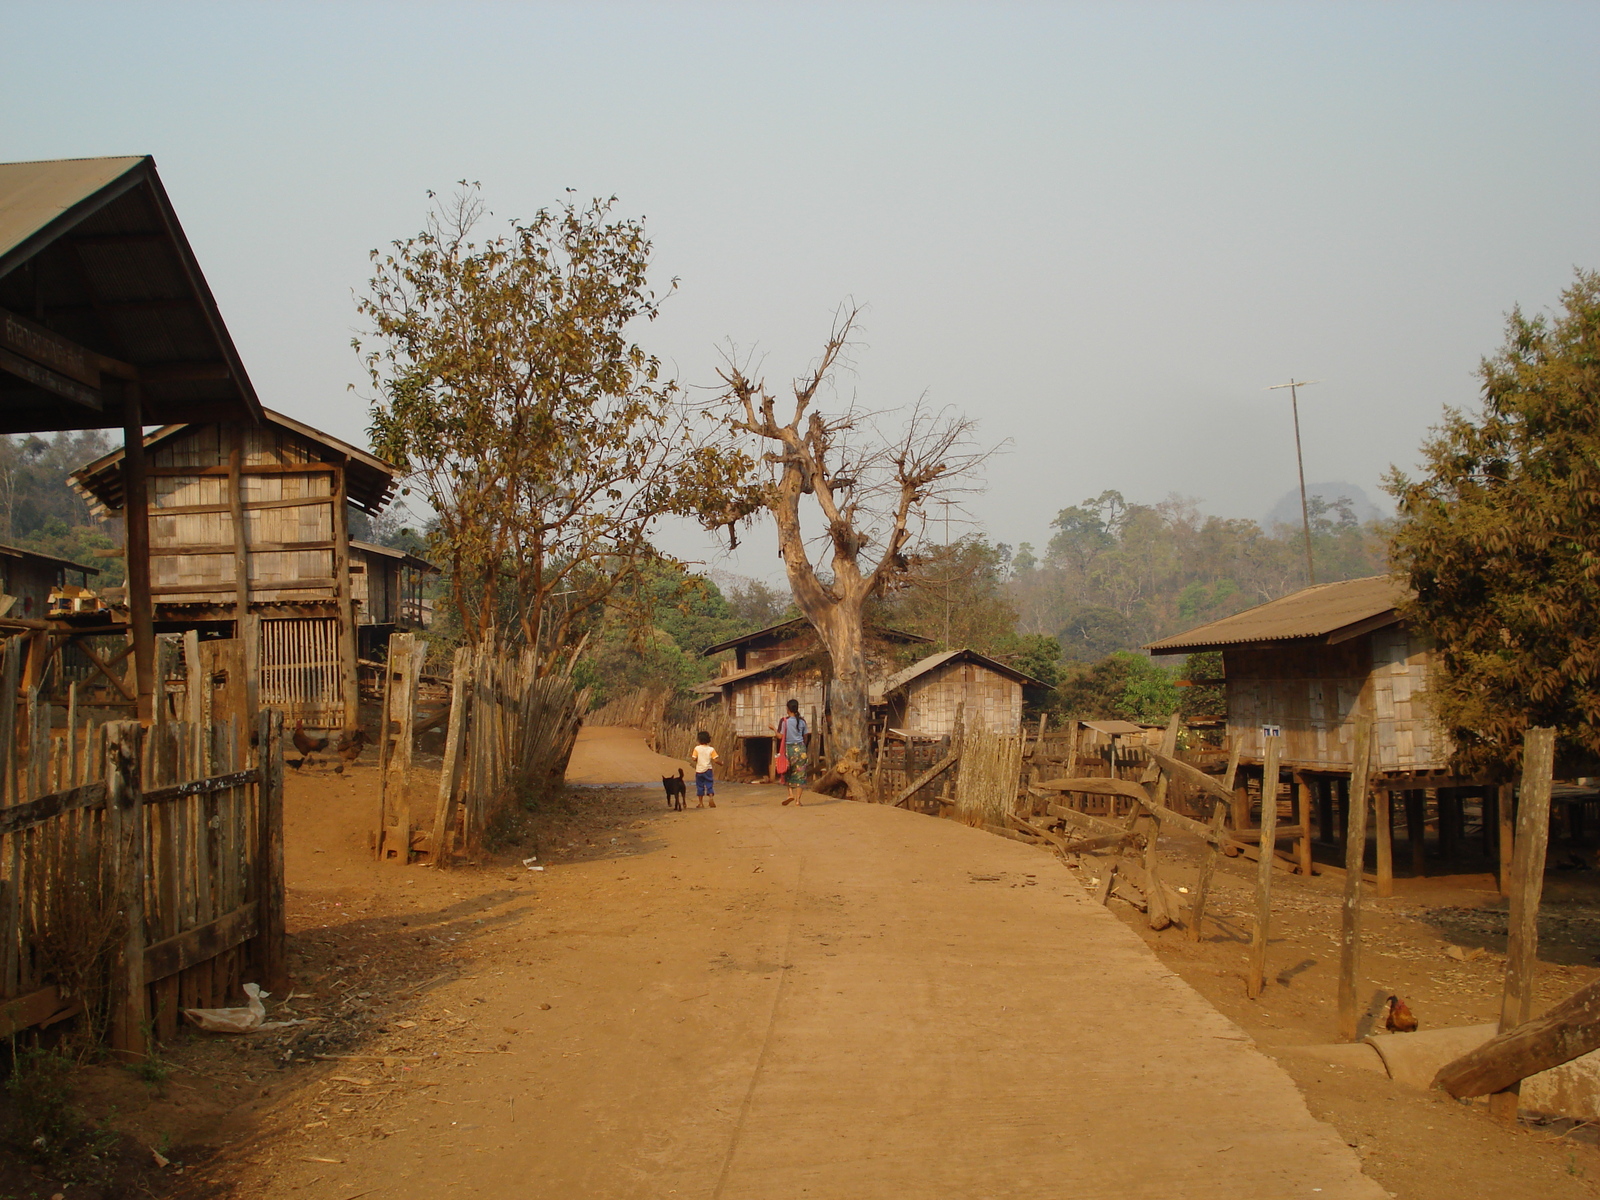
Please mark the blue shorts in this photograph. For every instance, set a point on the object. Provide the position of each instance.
(703, 785)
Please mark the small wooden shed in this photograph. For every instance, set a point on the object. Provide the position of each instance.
(386, 586)
(923, 699)
(249, 536)
(1310, 663)
(27, 578)
(770, 667)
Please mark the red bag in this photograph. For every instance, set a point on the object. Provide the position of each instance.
(781, 764)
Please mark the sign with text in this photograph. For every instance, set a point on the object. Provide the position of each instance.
(48, 349)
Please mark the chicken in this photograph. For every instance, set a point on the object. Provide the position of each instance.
(351, 743)
(1398, 1017)
(307, 745)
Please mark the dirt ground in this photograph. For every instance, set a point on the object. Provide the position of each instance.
(1421, 1146)
(592, 1028)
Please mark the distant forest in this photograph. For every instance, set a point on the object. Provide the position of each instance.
(1114, 575)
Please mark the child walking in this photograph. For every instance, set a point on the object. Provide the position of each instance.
(704, 755)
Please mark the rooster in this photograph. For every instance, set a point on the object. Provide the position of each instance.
(307, 745)
(1398, 1017)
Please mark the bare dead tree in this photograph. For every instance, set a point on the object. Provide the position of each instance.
(868, 488)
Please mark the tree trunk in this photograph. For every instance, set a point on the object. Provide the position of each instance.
(848, 702)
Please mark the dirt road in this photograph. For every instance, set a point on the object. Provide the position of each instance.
(828, 1002)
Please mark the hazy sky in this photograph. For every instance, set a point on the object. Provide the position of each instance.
(1103, 229)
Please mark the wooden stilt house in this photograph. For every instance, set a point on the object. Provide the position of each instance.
(249, 537)
(1311, 663)
(386, 585)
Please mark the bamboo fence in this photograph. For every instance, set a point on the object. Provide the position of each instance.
(988, 778)
(644, 709)
(511, 733)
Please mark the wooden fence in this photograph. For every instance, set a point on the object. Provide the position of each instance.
(141, 871)
(511, 730)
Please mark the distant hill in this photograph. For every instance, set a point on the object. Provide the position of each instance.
(1287, 510)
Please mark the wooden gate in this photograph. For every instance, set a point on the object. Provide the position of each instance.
(300, 670)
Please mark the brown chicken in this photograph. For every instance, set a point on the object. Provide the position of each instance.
(351, 743)
(1399, 1018)
(308, 745)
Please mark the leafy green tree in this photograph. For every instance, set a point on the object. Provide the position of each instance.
(1500, 541)
(1123, 685)
(546, 440)
(1203, 696)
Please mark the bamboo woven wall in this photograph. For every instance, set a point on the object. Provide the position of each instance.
(759, 703)
(988, 701)
(1315, 693)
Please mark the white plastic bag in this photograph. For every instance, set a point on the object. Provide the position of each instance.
(237, 1020)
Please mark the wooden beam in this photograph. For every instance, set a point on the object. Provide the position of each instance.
(1255, 979)
(273, 938)
(184, 510)
(202, 943)
(1191, 774)
(1354, 860)
(51, 381)
(1505, 816)
(136, 519)
(1221, 806)
(927, 777)
(49, 349)
(1383, 804)
(307, 468)
(348, 687)
(104, 668)
(43, 1007)
(1527, 890)
(1567, 1031)
(125, 835)
(177, 551)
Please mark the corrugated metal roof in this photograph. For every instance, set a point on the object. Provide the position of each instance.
(92, 251)
(715, 683)
(33, 194)
(410, 560)
(1313, 612)
(883, 689)
(23, 552)
(801, 625)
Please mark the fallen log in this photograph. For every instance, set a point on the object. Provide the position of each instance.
(1059, 842)
(1569, 1030)
(1095, 825)
(1096, 786)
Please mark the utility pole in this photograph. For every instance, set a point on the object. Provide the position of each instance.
(1294, 386)
(947, 566)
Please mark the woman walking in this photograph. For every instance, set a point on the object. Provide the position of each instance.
(791, 744)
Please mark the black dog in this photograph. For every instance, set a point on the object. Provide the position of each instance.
(675, 789)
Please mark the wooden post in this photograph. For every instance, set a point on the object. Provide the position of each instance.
(272, 940)
(136, 519)
(1527, 889)
(1303, 811)
(347, 607)
(1255, 980)
(10, 676)
(74, 775)
(1417, 831)
(406, 652)
(130, 1018)
(1325, 811)
(1208, 864)
(1354, 865)
(442, 844)
(243, 629)
(1505, 813)
(1383, 801)
(1241, 792)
